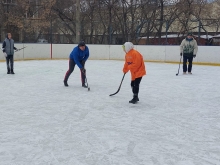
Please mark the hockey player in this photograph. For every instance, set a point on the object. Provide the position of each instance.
(188, 49)
(135, 63)
(78, 57)
(8, 50)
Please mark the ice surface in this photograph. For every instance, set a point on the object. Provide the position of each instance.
(176, 122)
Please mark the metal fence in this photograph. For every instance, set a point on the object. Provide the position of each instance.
(116, 39)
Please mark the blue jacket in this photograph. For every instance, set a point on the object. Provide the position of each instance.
(78, 55)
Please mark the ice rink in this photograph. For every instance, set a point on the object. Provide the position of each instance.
(176, 122)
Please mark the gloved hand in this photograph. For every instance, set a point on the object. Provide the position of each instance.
(194, 56)
(5, 54)
(83, 62)
(125, 70)
(83, 70)
(181, 54)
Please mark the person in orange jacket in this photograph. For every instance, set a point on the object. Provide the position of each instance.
(135, 63)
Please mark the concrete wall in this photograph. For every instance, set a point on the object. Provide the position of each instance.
(206, 54)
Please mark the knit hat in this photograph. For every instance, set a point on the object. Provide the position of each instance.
(128, 46)
(81, 43)
(189, 34)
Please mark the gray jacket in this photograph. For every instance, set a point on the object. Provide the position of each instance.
(8, 46)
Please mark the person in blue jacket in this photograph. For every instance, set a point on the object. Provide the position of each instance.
(78, 57)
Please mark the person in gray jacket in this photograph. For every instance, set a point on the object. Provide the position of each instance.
(8, 50)
(188, 49)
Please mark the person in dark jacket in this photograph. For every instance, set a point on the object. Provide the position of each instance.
(8, 50)
(78, 57)
(188, 49)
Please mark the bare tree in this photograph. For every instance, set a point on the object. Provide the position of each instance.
(25, 17)
(107, 21)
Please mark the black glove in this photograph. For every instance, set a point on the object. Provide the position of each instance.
(83, 62)
(83, 70)
(181, 54)
(194, 56)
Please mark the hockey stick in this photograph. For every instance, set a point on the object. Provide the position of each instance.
(20, 49)
(179, 66)
(119, 86)
(17, 49)
(86, 81)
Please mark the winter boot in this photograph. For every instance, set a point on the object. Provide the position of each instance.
(84, 85)
(65, 83)
(12, 71)
(135, 99)
(184, 72)
(189, 72)
(8, 72)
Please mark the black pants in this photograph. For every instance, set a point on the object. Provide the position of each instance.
(135, 85)
(10, 62)
(71, 68)
(189, 59)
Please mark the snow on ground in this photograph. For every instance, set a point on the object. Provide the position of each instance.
(176, 122)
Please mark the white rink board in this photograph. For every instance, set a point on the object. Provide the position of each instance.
(172, 53)
(62, 50)
(206, 54)
(152, 53)
(116, 52)
(99, 52)
(35, 51)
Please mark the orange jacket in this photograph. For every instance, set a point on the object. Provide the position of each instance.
(133, 62)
